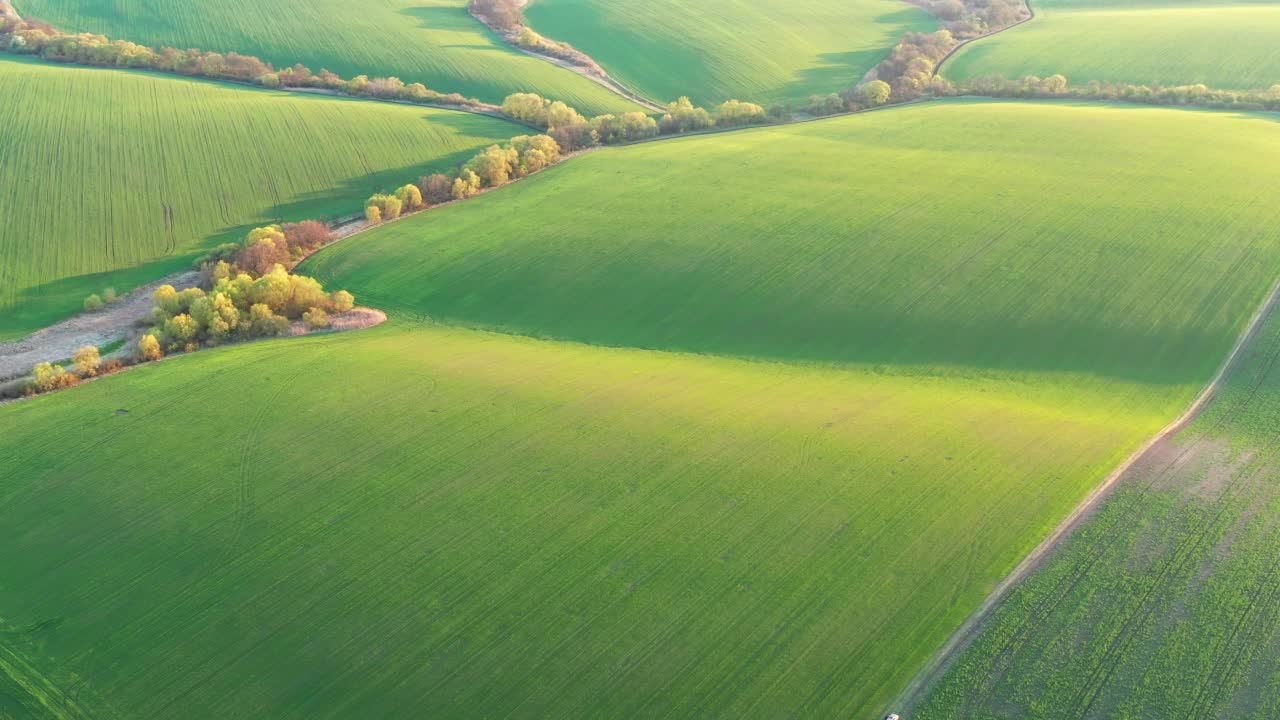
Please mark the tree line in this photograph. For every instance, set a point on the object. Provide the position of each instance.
(30, 37)
(567, 131)
(507, 19)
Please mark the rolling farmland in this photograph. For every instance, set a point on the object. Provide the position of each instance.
(777, 51)
(1220, 45)
(935, 238)
(945, 335)
(435, 42)
(421, 520)
(1164, 603)
(200, 161)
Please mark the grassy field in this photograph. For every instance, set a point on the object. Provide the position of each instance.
(417, 520)
(199, 161)
(742, 244)
(765, 52)
(1219, 45)
(429, 519)
(435, 42)
(1164, 604)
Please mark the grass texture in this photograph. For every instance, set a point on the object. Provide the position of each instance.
(1223, 46)
(778, 51)
(435, 42)
(948, 332)
(112, 178)
(1163, 604)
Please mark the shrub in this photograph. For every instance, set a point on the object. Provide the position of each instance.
(264, 323)
(526, 107)
(498, 14)
(534, 152)
(373, 214)
(410, 197)
(573, 137)
(87, 360)
(46, 377)
(733, 113)
(166, 299)
(307, 235)
(682, 116)
(180, 330)
(465, 185)
(825, 104)
(436, 188)
(342, 301)
(874, 93)
(263, 255)
(109, 296)
(316, 318)
(494, 165)
(389, 206)
(639, 126)
(93, 303)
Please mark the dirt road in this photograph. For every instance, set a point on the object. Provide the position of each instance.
(60, 341)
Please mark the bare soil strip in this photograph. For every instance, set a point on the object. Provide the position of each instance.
(937, 666)
(103, 327)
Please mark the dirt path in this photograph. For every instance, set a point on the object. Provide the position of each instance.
(596, 74)
(937, 69)
(60, 341)
(937, 666)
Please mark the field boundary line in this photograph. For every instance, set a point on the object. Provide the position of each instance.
(602, 78)
(937, 68)
(39, 688)
(942, 660)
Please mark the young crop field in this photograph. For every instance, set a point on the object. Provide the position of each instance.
(435, 42)
(429, 519)
(1220, 45)
(199, 161)
(1164, 603)
(424, 521)
(779, 51)
(936, 238)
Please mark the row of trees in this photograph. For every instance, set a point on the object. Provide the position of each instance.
(86, 363)
(507, 18)
(1057, 86)
(38, 38)
(495, 165)
(572, 131)
(567, 130)
(265, 247)
(968, 19)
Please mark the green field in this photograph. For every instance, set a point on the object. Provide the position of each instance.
(1220, 45)
(1164, 604)
(779, 51)
(430, 519)
(113, 179)
(742, 244)
(435, 42)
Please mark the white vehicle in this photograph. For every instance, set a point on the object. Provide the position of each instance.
(892, 716)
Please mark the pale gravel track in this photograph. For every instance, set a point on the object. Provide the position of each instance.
(942, 660)
(103, 327)
(937, 69)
